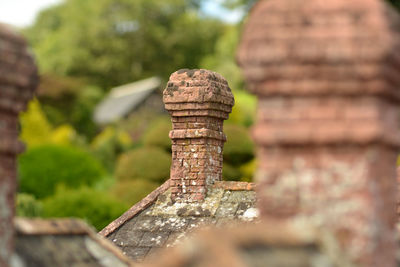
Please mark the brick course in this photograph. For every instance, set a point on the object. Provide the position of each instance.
(18, 80)
(327, 129)
(198, 101)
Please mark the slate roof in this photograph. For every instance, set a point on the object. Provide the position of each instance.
(63, 242)
(157, 222)
(123, 99)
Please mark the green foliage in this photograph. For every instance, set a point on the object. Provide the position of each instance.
(65, 135)
(157, 134)
(132, 191)
(28, 206)
(81, 111)
(44, 167)
(69, 100)
(242, 173)
(138, 123)
(239, 147)
(112, 42)
(247, 170)
(230, 173)
(97, 208)
(35, 129)
(395, 3)
(244, 110)
(149, 163)
(223, 59)
(223, 62)
(108, 144)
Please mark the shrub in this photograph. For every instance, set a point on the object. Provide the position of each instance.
(28, 206)
(131, 192)
(247, 170)
(35, 128)
(239, 147)
(244, 110)
(157, 134)
(96, 207)
(108, 144)
(42, 168)
(138, 122)
(149, 163)
(230, 173)
(66, 135)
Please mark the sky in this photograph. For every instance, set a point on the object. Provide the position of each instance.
(22, 13)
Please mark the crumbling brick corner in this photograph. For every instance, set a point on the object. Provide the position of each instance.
(327, 128)
(198, 101)
(18, 79)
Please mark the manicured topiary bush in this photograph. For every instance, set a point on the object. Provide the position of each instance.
(149, 163)
(132, 191)
(96, 207)
(239, 147)
(44, 167)
(157, 134)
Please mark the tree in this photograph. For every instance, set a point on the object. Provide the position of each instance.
(111, 42)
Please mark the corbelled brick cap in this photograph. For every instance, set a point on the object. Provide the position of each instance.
(18, 79)
(198, 101)
(327, 128)
(323, 48)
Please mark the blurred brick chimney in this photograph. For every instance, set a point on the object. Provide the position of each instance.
(327, 75)
(198, 101)
(18, 79)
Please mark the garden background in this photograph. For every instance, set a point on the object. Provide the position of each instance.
(75, 168)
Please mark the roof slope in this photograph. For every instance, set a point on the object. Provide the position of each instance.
(121, 100)
(158, 222)
(63, 242)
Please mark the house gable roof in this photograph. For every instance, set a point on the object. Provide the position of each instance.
(121, 100)
(157, 222)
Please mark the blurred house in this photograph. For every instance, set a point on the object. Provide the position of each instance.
(125, 99)
(62, 242)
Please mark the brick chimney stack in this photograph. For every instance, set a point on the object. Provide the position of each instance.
(327, 74)
(198, 101)
(18, 78)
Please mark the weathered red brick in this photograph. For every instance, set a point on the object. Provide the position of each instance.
(18, 79)
(327, 77)
(198, 101)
